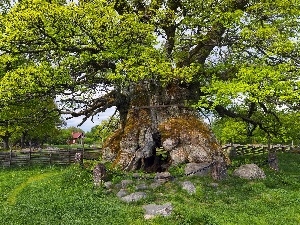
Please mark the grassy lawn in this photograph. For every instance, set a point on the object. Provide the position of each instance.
(65, 195)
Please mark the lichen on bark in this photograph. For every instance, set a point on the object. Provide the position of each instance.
(165, 124)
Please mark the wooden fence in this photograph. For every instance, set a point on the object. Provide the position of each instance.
(65, 157)
(45, 157)
(239, 150)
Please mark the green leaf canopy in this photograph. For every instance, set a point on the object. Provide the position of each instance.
(239, 57)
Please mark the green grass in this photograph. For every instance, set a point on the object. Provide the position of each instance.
(65, 195)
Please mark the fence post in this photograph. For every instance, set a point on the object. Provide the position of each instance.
(265, 149)
(10, 156)
(232, 151)
(82, 142)
(82, 155)
(69, 157)
(219, 169)
(273, 160)
(30, 155)
(50, 158)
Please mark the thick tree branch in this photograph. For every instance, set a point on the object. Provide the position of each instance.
(267, 111)
(222, 111)
(213, 38)
(96, 106)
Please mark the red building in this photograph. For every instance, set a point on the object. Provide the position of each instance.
(77, 137)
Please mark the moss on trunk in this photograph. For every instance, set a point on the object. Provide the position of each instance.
(160, 120)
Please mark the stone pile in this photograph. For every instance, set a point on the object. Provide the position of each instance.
(136, 189)
(140, 188)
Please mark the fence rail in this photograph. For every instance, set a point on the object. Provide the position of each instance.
(65, 157)
(45, 157)
(240, 150)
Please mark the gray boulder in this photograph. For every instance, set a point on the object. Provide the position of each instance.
(125, 183)
(152, 210)
(134, 197)
(108, 184)
(249, 171)
(155, 185)
(141, 186)
(122, 193)
(189, 187)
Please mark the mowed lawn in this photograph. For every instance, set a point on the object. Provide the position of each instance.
(65, 195)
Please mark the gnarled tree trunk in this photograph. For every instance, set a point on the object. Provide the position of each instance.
(5, 138)
(158, 122)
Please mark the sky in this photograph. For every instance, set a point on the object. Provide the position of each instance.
(89, 124)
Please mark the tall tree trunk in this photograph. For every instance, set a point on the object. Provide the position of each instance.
(5, 139)
(23, 138)
(158, 121)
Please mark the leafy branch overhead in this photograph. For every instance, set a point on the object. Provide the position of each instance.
(238, 58)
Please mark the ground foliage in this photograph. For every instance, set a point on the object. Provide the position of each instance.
(67, 196)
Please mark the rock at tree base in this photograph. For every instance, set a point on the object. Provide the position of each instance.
(249, 171)
(125, 183)
(108, 184)
(152, 210)
(155, 185)
(198, 169)
(141, 187)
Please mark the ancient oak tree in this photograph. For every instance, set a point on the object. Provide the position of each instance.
(159, 63)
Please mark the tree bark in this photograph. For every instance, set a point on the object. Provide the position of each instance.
(160, 131)
(23, 138)
(5, 139)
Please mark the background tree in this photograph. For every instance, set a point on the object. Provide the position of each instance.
(236, 58)
(229, 130)
(101, 132)
(64, 135)
(32, 120)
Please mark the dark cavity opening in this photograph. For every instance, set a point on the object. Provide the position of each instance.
(160, 160)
